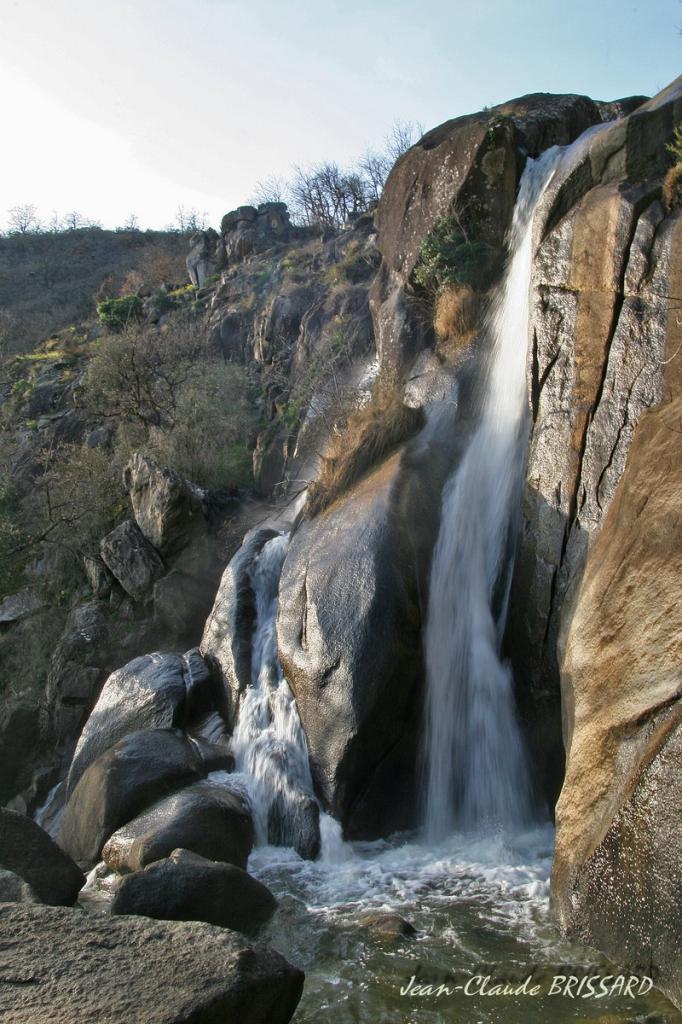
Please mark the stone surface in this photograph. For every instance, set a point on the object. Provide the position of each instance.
(168, 510)
(599, 321)
(23, 729)
(13, 889)
(299, 818)
(349, 632)
(29, 852)
(132, 560)
(206, 256)
(187, 887)
(155, 691)
(20, 606)
(205, 818)
(387, 925)
(136, 772)
(226, 643)
(470, 165)
(130, 969)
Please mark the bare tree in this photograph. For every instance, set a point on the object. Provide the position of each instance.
(189, 220)
(23, 219)
(326, 195)
(401, 137)
(132, 223)
(374, 167)
(270, 190)
(54, 225)
(74, 220)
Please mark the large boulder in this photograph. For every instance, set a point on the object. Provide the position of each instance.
(63, 967)
(600, 324)
(155, 691)
(226, 643)
(187, 887)
(205, 818)
(29, 852)
(132, 560)
(469, 166)
(168, 510)
(349, 631)
(136, 772)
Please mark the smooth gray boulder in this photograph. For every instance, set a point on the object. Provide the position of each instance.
(187, 887)
(65, 967)
(132, 560)
(136, 772)
(155, 691)
(28, 851)
(205, 818)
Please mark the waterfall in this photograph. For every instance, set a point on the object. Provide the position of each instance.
(475, 761)
(268, 742)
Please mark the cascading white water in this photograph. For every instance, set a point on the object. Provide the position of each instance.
(268, 742)
(475, 761)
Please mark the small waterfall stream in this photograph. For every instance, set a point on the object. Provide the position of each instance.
(268, 742)
(476, 769)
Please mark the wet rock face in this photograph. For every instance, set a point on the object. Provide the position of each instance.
(594, 630)
(632, 878)
(206, 819)
(160, 972)
(349, 634)
(187, 887)
(600, 327)
(228, 634)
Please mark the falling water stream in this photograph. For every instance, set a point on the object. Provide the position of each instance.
(476, 768)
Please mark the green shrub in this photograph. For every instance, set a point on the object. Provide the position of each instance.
(119, 313)
(448, 256)
(675, 146)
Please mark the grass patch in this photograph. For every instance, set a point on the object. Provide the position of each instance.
(369, 436)
(456, 318)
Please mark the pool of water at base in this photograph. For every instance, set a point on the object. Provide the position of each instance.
(480, 907)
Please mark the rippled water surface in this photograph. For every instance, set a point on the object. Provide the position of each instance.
(480, 907)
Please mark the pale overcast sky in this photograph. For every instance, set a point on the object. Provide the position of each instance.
(142, 105)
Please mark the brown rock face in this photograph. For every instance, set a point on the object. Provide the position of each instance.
(595, 607)
(470, 165)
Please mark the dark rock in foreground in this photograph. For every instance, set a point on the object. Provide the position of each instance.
(204, 818)
(187, 887)
(29, 852)
(122, 970)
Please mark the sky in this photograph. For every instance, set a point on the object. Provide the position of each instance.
(141, 106)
